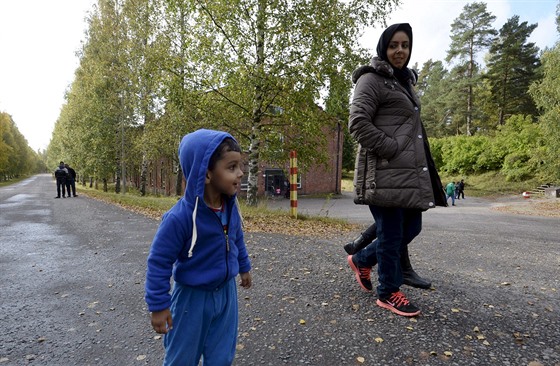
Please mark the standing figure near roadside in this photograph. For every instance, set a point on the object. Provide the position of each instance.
(461, 186)
(395, 173)
(70, 180)
(61, 174)
(200, 243)
(450, 192)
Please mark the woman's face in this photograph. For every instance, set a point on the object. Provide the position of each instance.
(398, 50)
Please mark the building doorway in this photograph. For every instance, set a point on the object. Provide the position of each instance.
(275, 182)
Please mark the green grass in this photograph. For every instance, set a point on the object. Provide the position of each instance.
(152, 205)
(12, 181)
(155, 206)
(347, 184)
(490, 184)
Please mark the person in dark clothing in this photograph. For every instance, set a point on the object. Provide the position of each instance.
(61, 173)
(395, 173)
(71, 180)
(410, 277)
(461, 189)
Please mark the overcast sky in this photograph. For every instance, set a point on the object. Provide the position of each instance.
(39, 40)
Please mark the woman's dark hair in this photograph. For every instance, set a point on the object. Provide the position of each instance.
(227, 145)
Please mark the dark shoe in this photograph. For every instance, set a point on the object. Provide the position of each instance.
(411, 278)
(57, 197)
(356, 245)
(362, 275)
(398, 304)
(75, 195)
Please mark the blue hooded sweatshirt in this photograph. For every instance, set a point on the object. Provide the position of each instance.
(190, 242)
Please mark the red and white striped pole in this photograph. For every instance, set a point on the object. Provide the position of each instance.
(293, 184)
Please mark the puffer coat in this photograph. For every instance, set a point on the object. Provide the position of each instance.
(394, 166)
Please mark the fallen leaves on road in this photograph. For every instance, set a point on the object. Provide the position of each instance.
(281, 223)
(533, 207)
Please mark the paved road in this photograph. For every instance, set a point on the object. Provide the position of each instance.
(72, 274)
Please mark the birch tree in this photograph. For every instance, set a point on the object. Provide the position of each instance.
(259, 67)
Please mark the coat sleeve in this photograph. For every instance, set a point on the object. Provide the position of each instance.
(361, 124)
(243, 258)
(166, 247)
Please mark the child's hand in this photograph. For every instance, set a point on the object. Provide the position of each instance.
(246, 279)
(161, 321)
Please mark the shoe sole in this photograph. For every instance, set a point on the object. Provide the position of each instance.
(417, 285)
(357, 273)
(396, 311)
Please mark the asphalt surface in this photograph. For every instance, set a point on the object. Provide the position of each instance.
(72, 275)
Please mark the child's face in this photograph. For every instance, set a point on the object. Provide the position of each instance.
(225, 178)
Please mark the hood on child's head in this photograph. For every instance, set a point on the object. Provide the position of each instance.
(195, 151)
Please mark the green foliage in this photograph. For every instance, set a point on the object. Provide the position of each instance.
(17, 159)
(512, 67)
(547, 97)
(153, 70)
(514, 151)
(460, 153)
(433, 85)
(471, 33)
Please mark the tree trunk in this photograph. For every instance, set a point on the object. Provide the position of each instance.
(143, 174)
(253, 178)
(179, 181)
(470, 73)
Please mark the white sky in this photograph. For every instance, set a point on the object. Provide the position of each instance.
(39, 39)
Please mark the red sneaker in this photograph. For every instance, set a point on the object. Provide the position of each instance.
(398, 304)
(362, 274)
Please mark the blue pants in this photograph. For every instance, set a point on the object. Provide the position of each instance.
(204, 324)
(396, 228)
(452, 198)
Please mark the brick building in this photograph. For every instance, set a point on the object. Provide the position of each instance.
(318, 179)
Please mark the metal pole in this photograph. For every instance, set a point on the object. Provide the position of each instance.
(293, 184)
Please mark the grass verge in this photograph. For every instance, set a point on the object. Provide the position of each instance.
(256, 219)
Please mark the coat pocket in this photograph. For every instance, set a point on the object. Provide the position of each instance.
(364, 175)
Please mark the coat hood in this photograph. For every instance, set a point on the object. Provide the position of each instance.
(381, 67)
(386, 36)
(195, 151)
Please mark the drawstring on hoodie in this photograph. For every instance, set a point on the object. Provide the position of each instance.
(194, 231)
(239, 211)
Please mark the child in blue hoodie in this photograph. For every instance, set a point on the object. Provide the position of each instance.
(200, 243)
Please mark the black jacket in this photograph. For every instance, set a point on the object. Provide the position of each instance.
(394, 166)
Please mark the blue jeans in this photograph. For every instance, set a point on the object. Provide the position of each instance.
(396, 227)
(452, 198)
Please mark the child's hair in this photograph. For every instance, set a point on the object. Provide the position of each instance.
(227, 145)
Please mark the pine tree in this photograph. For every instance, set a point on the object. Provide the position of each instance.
(471, 33)
(512, 68)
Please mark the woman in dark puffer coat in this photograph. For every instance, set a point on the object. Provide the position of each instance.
(395, 173)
